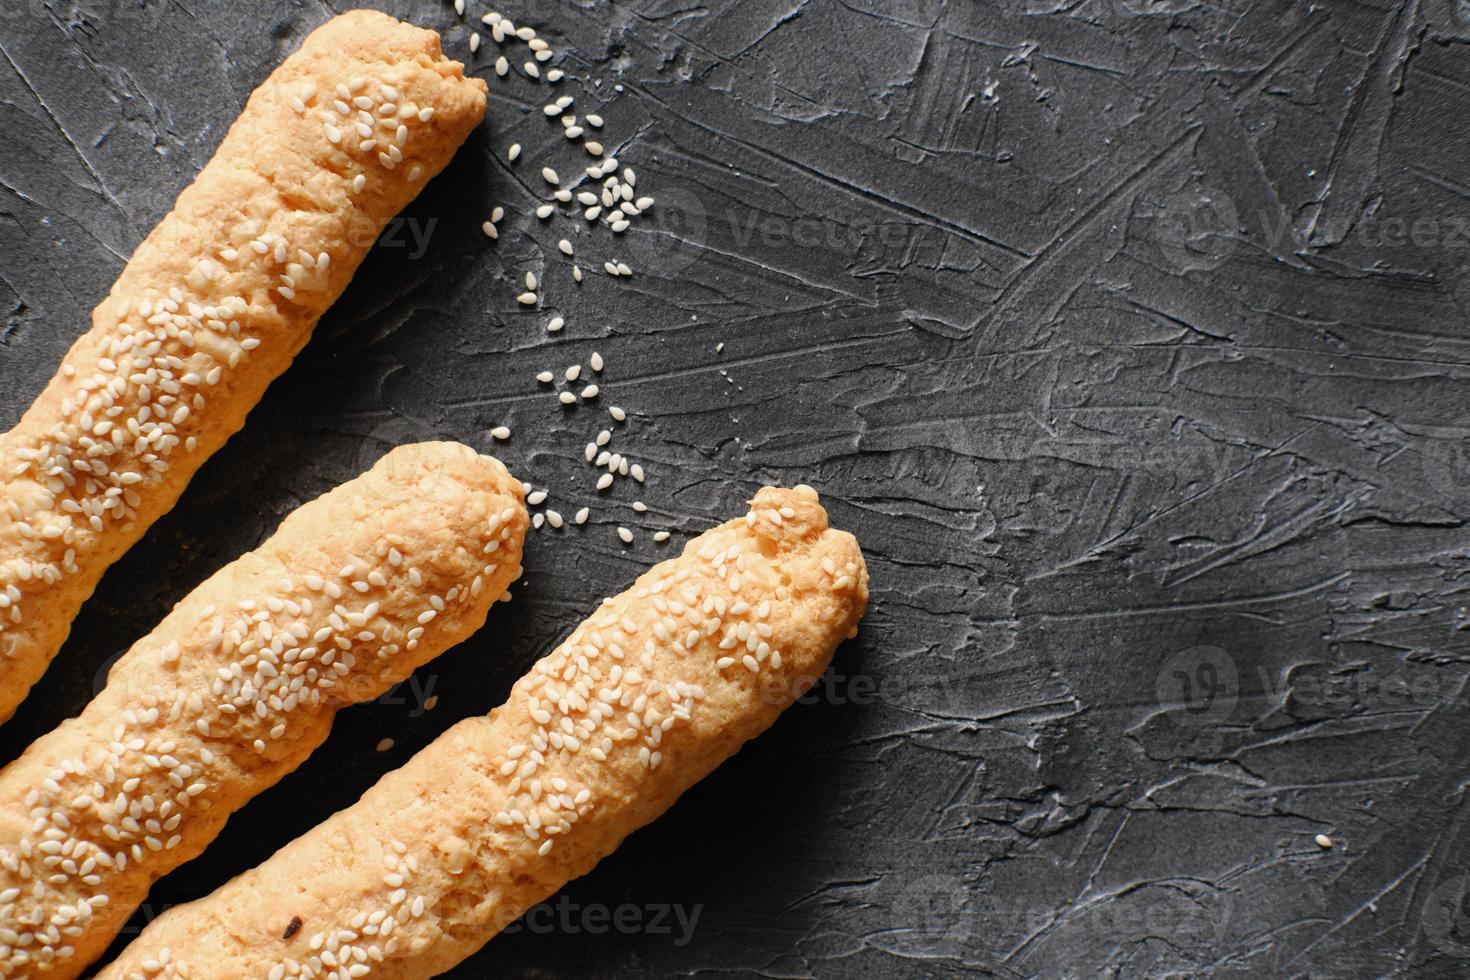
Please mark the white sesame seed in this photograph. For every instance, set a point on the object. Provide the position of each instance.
(501, 66)
(594, 120)
(577, 273)
(545, 211)
(582, 515)
(553, 518)
(567, 398)
(1323, 841)
(514, 152)
(526, 299)
(501, 432)
(661, 536)
(591, 391)
(497, 213)
(536, 497)
(640, 506)
(530, 280)
(565, 246)
(531, 69)
(605, 480)
(573, 371)
(637, 472)
(490, 230)
(596, 361)
(545, 377)
(604, 437)
(617, 413)
(555, 75)
(555, 324)
(474, 38)
(593, 147)
(537, 520)
(626, 535)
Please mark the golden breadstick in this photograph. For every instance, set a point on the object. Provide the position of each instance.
(211, 308)
(652, 692)
(239, 684)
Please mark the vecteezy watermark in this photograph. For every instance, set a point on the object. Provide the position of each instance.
(1198, 686)
(1449, 19)
(568, 918)
(1446, 916)
(1445, 466)
(934, 908)
(672, 234)
(1195, 229)
(1201, 914)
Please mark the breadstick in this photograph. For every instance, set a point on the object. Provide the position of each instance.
(212, 307)
(239, 684)
(658, 687)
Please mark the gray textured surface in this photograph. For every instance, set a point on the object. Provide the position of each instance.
(1130, 337)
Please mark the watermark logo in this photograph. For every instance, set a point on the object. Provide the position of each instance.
(1447, 915)
(569, 918)
(1445, 466)
(1198, 686)
(671, 234)
(1196, 230)
(933, 907)
(1449, 19)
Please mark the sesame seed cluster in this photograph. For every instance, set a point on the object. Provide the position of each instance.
(211, 308)
(239, 684)
(641, 700)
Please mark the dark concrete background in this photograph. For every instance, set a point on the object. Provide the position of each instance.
(1128, 335)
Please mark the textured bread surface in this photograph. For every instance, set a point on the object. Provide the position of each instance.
(653, 691)
(211, 308)
(239, 684)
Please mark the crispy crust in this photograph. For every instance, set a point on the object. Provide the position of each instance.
(440, 855)
(239, 684)
(205, 316)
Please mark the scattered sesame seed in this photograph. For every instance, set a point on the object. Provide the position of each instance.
(591, 391)
(605, 480)
(537, 520)
(501, 66)
(661, 536)
(565, 246)
(582, 515)
(617, 413)
(531, 280)
(593, 147)
(637, 472)
(514, 152)
(555, 75)
(640, 506)
(626, 535)
(550, 176)
(594, 120)
(536, 497)
(501, 432)
(553, 518)
(1323, 841)
(567, 398)
(577, 273)
(531, 69)
(555, 324)
(490, 230)
(497, 213)
(475, 37)
(545, 377)
(596, 361)
(573, 371)
(526, 299)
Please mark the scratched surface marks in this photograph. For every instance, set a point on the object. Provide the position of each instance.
(1129, 335)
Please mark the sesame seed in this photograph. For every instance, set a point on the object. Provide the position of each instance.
(626, 535)
(490, 230)
(591, 391)
(385, 744)
(514, 152)
(617, 413)
(531, 280)
(1323, 841)
(596, 361)
(531, 69)
(555, 75)
(640, 506)
(536, 497)
(545, 211)
(661, 536)
(475, 37)
(526, 299)
(593, 147)
(604, 481)
(565, 246)
(581, 516)
(573, 371)
(553, 518)
(554, 325)
(567, 398)
(545, 377)
(501, 66)
(594, 120)
(501, 432)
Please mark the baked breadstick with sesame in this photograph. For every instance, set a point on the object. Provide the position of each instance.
(212, 307)
(239, 684)
(648, 695)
